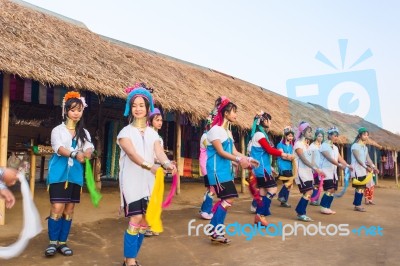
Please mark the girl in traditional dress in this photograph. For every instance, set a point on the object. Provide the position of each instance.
(206, 206)
(285, 166)
(305, 168)
(362, 164)
(330, 160)
(156, 122)
(71, 144)
(220, 154)
(319, 138)
(140, 144)
(261, 150)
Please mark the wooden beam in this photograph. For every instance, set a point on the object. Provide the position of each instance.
(33, 170)
(243, 171)
(396, 170)
(99, 137)
(178, 149)
(341, 171)
(376, 164)
(5, 114)
(42, 163)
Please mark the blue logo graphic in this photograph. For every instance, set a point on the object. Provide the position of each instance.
(351, 92)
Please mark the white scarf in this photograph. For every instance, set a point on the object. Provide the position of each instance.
(32, 225)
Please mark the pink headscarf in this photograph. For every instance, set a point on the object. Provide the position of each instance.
(301, 128)
(219, 118)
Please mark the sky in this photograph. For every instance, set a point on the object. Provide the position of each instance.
(340, 54)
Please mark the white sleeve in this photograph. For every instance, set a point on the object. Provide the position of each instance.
(324, 147)
(88, 143)
(297, 145)
(123, 134)
(56, 139)
(258, 136)
(216, 133)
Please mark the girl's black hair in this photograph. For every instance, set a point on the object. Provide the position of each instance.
(146, 103)
(228, 108)
(79, 129)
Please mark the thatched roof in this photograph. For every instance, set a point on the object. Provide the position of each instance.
(53, 51)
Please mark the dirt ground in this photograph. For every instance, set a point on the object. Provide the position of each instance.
(96, 234)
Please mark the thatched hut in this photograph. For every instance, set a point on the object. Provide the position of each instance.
(55, 51)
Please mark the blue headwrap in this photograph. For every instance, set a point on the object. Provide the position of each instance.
(142, 92)
(333, 130)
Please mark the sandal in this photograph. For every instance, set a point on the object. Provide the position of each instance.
(65, 250)
(136, 264)
(304, 218)
(50, 250)
(219, 239)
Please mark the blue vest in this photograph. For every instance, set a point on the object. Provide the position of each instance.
(264, 158)
(284, 165)
(60, 171)
(219, 169)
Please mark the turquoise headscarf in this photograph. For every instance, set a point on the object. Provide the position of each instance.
(135, 92)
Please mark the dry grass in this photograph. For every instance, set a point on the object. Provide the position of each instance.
(47, 49)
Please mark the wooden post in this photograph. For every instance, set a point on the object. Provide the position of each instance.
(178, 149)
(5, 114)
(99, 138)
(42, 163)
(376, 164)
(243, 171)
(33, 170)
(341, 171)
(396, 170)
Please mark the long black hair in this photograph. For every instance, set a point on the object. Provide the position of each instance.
(79, 129)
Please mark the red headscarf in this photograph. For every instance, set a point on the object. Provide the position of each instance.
(219, 118)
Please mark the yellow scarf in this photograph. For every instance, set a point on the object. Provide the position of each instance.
(154, 209)
(364, 182)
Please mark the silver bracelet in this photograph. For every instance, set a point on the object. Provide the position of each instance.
(166, 163)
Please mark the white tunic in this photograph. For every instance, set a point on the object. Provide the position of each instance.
(136, 182)
(303, 171)
(316, 154)
(327, 167)
(363, 153)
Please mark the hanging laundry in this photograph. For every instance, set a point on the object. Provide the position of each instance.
(13, 87)
(28, 90)
(42, 94)
(35, 92)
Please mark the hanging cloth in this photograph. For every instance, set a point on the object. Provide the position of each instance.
(28, 90)
(13, 87)
(42, 94)
(35, 92)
